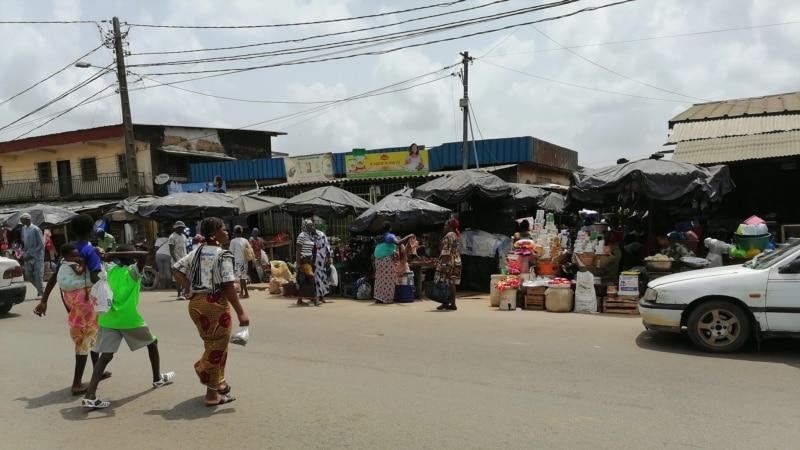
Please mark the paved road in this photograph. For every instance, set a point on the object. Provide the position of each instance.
(356, 375)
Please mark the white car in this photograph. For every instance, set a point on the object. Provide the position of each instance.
(12, 285)
(721, 308)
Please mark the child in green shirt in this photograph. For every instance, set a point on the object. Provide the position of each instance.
(123, 321)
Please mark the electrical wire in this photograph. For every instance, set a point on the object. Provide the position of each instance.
(381, 52)
(47, 22)
(51, 75)
(83, 102)
(651, 38)
(384, 38)
(39, 119)
(584, 87)
(282, 25)
(453, 95)
(59, 97)
(287, 41)
(612, 71)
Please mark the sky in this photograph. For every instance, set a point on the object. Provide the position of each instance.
(602, 82)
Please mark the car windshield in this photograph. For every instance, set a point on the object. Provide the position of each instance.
(765, 260)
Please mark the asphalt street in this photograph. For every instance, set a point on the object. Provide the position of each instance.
(351, 374)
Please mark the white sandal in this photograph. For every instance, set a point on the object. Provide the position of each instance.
(166, 378)
(95, 403)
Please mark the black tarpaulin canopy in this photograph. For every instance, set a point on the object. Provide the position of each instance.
(464, 185)
(183, 205)
(326, 202)
(251, 204)
(654, 179)
(402, 211)
(41, 215)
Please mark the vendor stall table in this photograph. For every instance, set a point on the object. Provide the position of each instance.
(272, 245)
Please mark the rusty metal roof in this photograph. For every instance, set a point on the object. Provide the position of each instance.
(738, 148)
(737, 126)
(771, 104)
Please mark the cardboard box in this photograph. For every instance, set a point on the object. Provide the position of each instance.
(628, 284)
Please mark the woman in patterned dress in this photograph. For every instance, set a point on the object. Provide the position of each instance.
(385, 274)
(448, 269)
(207, 276)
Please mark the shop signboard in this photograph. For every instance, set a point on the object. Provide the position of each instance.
(215, 185)
(309, 168)
(390, 164)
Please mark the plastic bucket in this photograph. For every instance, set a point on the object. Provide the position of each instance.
(747, 243)
(404, 293)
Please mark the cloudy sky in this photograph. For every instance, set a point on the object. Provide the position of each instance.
(602, 82)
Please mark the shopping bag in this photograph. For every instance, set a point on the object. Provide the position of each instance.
(100, 295)
(249, 255)
(333, 280)
(438, 292)
(241, 336)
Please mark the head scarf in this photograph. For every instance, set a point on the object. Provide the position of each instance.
(306, 223)
(453, 224)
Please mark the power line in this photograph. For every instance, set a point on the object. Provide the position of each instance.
(287, 41)
(583, 87)
(389, 37)
(381, 52)
(612, 71)
(59, 97)
(51, 75)
(651, 38)
(47, 22)
(83, 102)
(39, 119)
(280, 25)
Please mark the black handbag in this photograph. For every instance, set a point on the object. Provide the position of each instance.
(438, 292)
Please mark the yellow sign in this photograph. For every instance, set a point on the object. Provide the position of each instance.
(391, 164)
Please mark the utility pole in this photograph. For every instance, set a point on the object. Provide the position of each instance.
(132, 168)
(464, 103)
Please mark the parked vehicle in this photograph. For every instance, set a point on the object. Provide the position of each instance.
(12, 284)
(722, 308)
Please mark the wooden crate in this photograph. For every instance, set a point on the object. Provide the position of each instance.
(534, 302)
(535, 290)
(621, 305)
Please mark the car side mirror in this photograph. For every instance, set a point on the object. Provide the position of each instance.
(792, 267)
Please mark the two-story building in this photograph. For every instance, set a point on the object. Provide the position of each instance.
(84, 169)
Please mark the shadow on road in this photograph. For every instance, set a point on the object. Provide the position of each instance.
(9, 315)
(51, 398)
(79, 412)
(191, 409)
(781, 351)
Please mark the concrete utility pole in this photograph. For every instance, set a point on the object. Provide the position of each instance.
(132, 168)
(464, 104)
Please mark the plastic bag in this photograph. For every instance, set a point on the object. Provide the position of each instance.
(333, 280)
(101, 295)
(438, 292)
(241, 336)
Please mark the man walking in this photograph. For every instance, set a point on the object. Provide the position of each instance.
(33, 241)
(106, 241)
(177, 248)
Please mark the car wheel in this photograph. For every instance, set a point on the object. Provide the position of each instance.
(719, 326)
(5, 307)
(149, 278)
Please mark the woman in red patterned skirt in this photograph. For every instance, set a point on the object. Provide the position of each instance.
(448, 269)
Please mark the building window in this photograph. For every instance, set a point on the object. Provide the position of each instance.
(122, 165)
(89, 169)
(44, 171)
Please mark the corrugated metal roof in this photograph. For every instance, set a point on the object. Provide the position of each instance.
(738, 148)
(737, 126)
(771, 104)
(250, 169)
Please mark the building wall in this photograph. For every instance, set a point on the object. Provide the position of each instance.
(538, 175)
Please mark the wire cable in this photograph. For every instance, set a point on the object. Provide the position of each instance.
(47, 22)
(83, 102)
(51, 75)
(60, 97)
(283, 25)
(584, 87)
(287, 41)
(612, 71)
(381, 52)
(651, 38)
(384, 38)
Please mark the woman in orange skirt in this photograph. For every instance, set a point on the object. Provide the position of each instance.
(207, 276)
